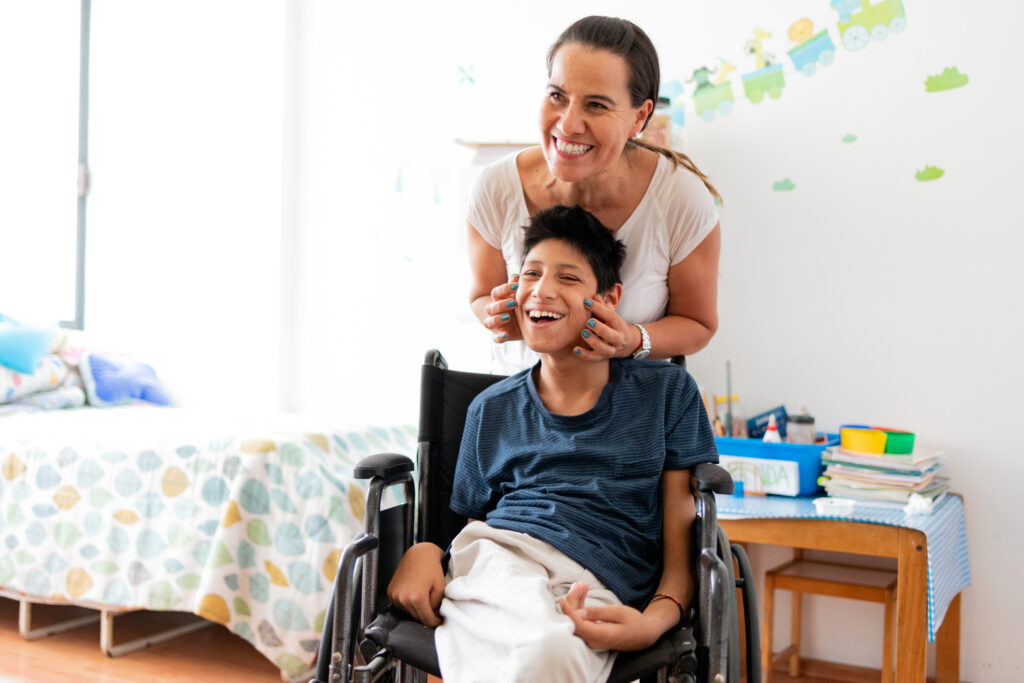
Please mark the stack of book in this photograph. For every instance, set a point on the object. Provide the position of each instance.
(883, 478)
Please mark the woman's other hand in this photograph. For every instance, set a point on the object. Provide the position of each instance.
(493, 304)
(418, 583)
(501, 312)
(606, 335)
(610, 627)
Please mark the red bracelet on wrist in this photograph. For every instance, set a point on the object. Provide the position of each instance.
(664, 596)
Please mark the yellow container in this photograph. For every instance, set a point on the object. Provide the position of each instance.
(862, 440)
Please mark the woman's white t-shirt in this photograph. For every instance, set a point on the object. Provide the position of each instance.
(675, 214)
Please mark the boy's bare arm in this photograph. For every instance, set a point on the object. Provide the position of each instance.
(619, 627)
(418, 584)
(677, 536)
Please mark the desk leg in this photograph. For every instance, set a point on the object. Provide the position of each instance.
(947, 645)
(911, 606)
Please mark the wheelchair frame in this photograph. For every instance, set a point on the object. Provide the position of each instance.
(716, 656)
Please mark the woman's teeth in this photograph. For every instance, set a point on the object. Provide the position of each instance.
(569, 148)
(538, 315)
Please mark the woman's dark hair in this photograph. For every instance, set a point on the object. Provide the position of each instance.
(586, 234)
(627, 40)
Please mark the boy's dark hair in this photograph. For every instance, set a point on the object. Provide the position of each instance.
(586, 234)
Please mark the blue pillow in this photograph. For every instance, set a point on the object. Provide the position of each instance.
(22, 346)
(110, 380)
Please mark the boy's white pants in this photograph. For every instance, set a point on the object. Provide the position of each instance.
(501, 617)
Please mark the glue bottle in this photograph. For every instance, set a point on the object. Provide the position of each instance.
(771, 433)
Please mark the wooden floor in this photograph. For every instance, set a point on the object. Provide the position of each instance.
(816, 671)
(212, 654)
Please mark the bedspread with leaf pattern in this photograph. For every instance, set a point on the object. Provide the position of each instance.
(240, 521)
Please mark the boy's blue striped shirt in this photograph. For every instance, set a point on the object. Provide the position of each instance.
(587, 484)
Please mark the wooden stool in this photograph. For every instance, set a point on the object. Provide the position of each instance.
(825, 578)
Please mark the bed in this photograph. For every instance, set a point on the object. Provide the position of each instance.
(237, 519)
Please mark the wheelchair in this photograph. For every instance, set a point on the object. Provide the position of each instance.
(362, 643)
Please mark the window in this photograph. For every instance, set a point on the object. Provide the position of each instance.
(40, 49)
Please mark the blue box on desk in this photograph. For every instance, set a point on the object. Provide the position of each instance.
(783, 468)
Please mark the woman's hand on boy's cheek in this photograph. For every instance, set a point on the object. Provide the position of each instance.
(501, 312)
(606, 333)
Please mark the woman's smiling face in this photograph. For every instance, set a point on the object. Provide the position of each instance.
(555, 280)
(587, 116)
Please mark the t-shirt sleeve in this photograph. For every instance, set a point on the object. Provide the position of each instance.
(489, 200)
(690, 213)
(688, 438)
(471, 496)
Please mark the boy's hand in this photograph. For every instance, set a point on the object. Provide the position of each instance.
(611, 627)
(607, 335)
(418, 584)
(501, 312)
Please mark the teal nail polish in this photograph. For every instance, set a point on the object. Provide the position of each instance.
(586, 334)
(504, 335)
(504, 317)
(515, 286)
(588, 302)
(511, 303)
(577, 351)
(591, 324)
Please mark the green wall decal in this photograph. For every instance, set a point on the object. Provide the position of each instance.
(849, 137)
(929, 173)
(783, 185)
(949, 78)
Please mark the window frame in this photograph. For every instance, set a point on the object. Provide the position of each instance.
(78, 323)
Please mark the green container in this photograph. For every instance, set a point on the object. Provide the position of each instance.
(899, 443)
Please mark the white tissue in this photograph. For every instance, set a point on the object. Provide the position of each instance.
(835, 507)
(918, 505)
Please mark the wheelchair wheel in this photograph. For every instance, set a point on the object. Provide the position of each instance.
(750, 623)
(726, 554)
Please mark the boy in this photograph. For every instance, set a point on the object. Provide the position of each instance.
(579, 469)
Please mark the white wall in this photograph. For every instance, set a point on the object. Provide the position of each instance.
(184, 215)
(876, 298)
(864, 293)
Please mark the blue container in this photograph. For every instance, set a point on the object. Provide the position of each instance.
(807, 456)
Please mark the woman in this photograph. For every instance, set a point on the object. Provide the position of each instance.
(603, 82)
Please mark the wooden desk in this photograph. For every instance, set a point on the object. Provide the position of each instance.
(909, 547)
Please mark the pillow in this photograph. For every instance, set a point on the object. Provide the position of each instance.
(49, 373)
(112, 380)
(22, 346)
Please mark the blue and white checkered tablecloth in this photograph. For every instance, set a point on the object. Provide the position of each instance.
(949, 570)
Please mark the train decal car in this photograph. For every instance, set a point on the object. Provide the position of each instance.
(714, 98)
(767, 80)
(860, 21)
(817, 50)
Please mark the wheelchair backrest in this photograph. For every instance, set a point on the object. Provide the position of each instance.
(445, 396)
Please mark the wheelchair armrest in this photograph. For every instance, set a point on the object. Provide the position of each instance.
(383, 465)
(710, 477)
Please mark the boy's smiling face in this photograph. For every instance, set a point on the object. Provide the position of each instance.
(553, 283)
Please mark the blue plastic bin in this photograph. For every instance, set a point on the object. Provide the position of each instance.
(807, 457)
